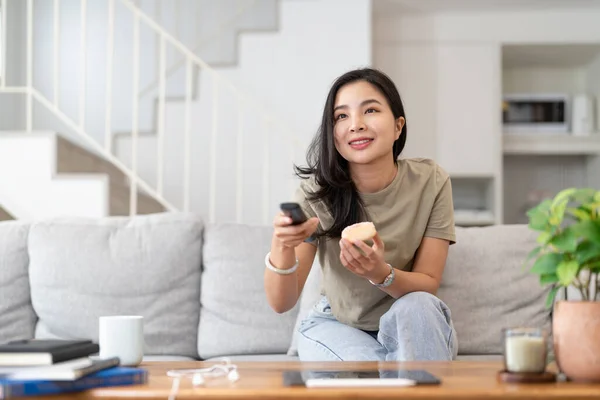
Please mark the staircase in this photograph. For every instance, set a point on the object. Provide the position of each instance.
(186, 135)
(210, 30)
(74, 181)
(77, 154)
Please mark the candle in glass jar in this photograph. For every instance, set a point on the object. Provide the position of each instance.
(525, 353)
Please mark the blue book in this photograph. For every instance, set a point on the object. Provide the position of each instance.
(116, 376)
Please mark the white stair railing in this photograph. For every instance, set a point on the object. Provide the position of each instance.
(2, 46)
(219, 31)
(221, 87)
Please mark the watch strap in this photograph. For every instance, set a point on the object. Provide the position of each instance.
(388, 279)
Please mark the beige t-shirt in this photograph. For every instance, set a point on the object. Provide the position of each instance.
(417, 203)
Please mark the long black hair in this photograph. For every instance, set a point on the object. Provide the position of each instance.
(332, 175)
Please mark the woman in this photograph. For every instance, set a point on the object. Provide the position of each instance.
(378, 300)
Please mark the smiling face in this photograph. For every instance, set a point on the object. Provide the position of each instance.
(364, 126)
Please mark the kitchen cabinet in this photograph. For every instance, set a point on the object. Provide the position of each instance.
(468, 108)
(412, 68)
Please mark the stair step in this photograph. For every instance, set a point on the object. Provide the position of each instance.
(66, 170)
(74, 159)
(5, 216)
(119, 204)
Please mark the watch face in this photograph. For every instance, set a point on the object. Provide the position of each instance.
(388, 279)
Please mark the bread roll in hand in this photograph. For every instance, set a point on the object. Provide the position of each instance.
(361, 231)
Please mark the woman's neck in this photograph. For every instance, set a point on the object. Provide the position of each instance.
(373, 178)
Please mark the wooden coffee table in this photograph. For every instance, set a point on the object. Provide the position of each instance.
(263, 380)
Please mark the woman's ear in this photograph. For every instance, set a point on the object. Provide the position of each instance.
(399, 125)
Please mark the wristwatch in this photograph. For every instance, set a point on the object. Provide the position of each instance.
(388, 279)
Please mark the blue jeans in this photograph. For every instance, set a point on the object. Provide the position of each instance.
(418, 327)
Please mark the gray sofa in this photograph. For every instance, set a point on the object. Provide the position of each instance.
(200, 287)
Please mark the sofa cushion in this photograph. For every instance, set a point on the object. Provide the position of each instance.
(17, 318)
(257, 358)
(146, 265)
(311, 293)
(235, 317)
(487, 287)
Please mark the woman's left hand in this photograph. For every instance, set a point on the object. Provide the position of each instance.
(364, 261)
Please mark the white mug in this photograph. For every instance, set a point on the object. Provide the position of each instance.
(122, 336)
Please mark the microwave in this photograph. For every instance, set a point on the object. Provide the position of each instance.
(535, 113)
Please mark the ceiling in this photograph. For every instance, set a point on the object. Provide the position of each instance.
(386, 7)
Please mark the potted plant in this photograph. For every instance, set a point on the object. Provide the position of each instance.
(568, 255)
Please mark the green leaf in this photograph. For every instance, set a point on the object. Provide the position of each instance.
(544, 237)
(585, 195)
(581, 214)
(595, 207)
(562, 196)
(532, 254)
(551, 296)
(592, 208)
(548, 278)
(567, 271)
(557, 212)
(547, 264)
(538, 222)
(554, 220)
(589, 230)
(566, 241)
(594, 266)
(539, 215)
(544, 207)
(597, 196)
(587, 251)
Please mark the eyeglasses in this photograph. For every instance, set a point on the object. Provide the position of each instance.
(201, 376)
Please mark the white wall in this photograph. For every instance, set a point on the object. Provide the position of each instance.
(290, 73)
(30, 188)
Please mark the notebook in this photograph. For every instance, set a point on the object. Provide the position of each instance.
(44, 351)
(115, 376)
(62, 371)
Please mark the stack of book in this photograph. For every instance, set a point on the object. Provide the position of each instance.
(47, 366)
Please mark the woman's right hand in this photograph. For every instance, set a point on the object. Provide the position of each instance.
(289, 236)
